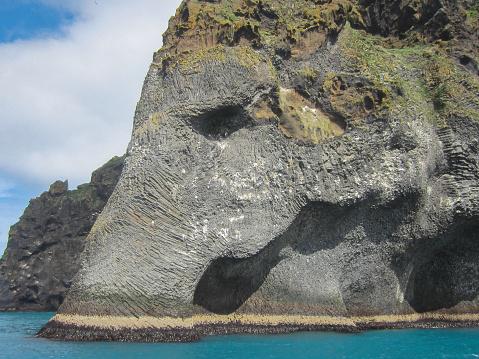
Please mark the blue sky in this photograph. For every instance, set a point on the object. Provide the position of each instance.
(71, 73)
(23, 19)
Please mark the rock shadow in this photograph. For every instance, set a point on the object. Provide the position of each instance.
(450, 275)
(228, 282)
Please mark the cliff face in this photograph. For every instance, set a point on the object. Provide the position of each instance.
(44, 247)
(293, 165)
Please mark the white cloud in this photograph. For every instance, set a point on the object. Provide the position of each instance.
(67, 103)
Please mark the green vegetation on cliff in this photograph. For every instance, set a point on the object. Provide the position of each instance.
(421, 79)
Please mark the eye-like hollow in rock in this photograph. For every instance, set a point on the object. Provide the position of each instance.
(222, 123)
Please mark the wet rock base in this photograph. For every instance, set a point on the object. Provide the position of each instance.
(68, 332)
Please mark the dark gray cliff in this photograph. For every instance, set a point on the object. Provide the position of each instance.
(44, 247)
(294, 165)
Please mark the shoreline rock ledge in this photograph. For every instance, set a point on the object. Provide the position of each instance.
(294, 165)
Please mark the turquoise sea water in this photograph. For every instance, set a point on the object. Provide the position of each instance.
(17, 341)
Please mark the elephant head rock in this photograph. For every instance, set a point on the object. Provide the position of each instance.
(294, 165)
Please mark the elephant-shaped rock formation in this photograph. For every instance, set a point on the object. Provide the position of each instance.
(293, 166)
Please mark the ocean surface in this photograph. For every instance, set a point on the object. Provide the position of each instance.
(17, 341)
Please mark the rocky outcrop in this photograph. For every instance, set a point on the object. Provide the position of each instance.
(294, 165)
(44, 247)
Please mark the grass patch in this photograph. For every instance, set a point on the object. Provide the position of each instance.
(420, 81)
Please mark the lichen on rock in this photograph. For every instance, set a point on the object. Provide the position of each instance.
(300, 119)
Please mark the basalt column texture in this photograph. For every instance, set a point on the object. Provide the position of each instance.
(294, 165)
(44, 247)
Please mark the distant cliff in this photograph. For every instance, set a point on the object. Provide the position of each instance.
(44, 247)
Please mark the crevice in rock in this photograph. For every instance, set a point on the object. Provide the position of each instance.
(469, 64)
